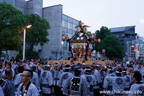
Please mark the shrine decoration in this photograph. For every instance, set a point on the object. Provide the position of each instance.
(81, 45)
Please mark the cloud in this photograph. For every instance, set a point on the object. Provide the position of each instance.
(142, 20)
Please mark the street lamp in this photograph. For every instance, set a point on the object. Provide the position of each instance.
(128, 55)
(62, 48)
(130, 51)
(27, 27)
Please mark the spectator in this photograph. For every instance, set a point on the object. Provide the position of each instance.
(46, 81)
(75, 85)
(138, 86)
(27, 88)
(8, 87)
(17, 79)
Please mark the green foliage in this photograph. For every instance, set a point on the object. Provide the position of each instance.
(112, 46)
(31, 54)
(19, 56)
(103, 32)
(11, 23)
(38, 32)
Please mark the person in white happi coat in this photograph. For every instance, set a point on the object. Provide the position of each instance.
(17, 80)
(139, 68)
(27, 88)
(75, 86)
(137, 89)
(107, 85)
(9, 66)
(28, 65)
(46, 81)
(8, 87)
(35, 78)
(97, 75)
(128, 80)
(82, 66)
(65, 77)
(56, 75)
(90, 82)
(118, 84)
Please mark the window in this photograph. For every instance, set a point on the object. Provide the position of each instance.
(65, 17)
(70, 25)
(70, 19)
(64, 23)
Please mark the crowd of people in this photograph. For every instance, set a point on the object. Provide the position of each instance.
(38, 78)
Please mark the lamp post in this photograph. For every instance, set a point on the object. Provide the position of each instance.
(24, 38)
(130, 51)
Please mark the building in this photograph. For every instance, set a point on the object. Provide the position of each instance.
(126, 35)
(140, 47)
(60, 24)
(9, 1)
(27, 6)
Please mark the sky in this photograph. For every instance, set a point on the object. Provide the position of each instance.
(109, 13)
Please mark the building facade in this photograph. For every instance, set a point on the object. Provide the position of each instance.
(60, 24)
(126, 35)
(9, 1)
(140, 47)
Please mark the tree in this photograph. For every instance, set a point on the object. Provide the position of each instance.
(112, 46)
(37, 34)
(103, 32)
(11, 24)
